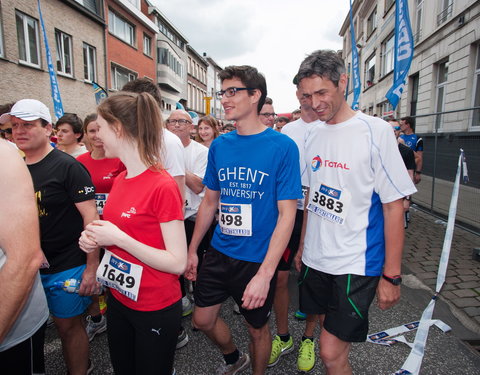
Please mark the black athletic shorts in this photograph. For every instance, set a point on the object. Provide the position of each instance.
(289, 254)
(222, 276)
(344, 299)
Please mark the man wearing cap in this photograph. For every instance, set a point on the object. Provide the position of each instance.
(65, 199)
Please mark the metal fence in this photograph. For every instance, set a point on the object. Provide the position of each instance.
(440, 158)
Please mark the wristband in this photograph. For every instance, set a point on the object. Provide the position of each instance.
(395, 280)
(418, 172)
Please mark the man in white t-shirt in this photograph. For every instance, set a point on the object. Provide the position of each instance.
(282, 343)
(353, 242)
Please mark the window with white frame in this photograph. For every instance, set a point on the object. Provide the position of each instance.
(387, 55)
(147, 45)
(121, 76)
(370, 71)
(89, 63)
(418, 20)
(64, 53)
(442, 78)
(121, 28)
(445, 11)
(476, 90)
(372, 22)
(28, 39)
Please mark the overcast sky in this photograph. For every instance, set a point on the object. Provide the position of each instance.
(272, 35)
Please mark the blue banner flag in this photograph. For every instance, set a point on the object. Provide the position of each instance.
(403, 52)
(99, 92)
(57, 100)
(355, 67)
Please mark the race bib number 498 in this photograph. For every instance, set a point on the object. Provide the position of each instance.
(115, 272)
(235, 219)
(329, 203)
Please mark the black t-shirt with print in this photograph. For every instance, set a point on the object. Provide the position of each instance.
(60, 181)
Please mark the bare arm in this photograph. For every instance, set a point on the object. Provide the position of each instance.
(298, 257)
(388, 295)
(19, 236)
(171, 260)
(257, 289)
(89, 285)
(180, 180)
(194, 182)
(419, 163)
(205, 216)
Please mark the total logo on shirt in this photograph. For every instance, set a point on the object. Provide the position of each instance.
(317, 163)
(129, 213)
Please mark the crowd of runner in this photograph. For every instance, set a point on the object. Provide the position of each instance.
(124, 222)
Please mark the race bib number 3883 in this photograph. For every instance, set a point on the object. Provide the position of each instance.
(115, 272)
(329, 203)
(235, 219)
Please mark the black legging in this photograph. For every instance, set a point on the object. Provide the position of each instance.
(142, 342)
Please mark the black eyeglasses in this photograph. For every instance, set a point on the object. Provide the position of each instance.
(267, 114)
(231, 91)
(180, 122)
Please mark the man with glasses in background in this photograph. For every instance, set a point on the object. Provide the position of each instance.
(267, 113)
(253, 176)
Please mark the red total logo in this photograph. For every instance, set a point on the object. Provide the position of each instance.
(336, 164)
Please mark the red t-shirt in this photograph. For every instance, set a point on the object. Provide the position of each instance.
(102, 171)
(137, 206)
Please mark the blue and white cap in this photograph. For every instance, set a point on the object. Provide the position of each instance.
(28, 110)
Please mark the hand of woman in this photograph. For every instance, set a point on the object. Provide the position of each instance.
(103, 233)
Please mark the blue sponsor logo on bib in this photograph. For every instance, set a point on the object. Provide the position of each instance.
(231, 209)
(331, 192)
(119, 264)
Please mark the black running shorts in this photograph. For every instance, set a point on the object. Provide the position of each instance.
(221, 277)
(344, 299)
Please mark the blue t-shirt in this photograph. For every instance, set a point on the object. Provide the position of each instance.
(252, 173)
(413, 141)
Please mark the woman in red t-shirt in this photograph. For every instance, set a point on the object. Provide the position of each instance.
(103, 172)
(144, 237)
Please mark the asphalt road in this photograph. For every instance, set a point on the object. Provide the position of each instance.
(446, 353)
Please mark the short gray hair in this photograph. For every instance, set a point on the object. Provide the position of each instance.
(323, 63)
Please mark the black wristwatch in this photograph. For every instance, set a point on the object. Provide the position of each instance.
(395, 280)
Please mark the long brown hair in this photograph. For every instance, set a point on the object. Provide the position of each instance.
(138, 117)
(210, 121)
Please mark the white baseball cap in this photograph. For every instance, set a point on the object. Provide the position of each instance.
(27, 110)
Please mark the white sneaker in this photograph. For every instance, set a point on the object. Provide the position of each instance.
(95, 328)
(187, 306)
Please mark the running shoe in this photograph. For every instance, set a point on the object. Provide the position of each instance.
(306, 356)
(187, 306)
(182, 338)
(93, 328)
(241, 364)
(279, 348)
(300, 315)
